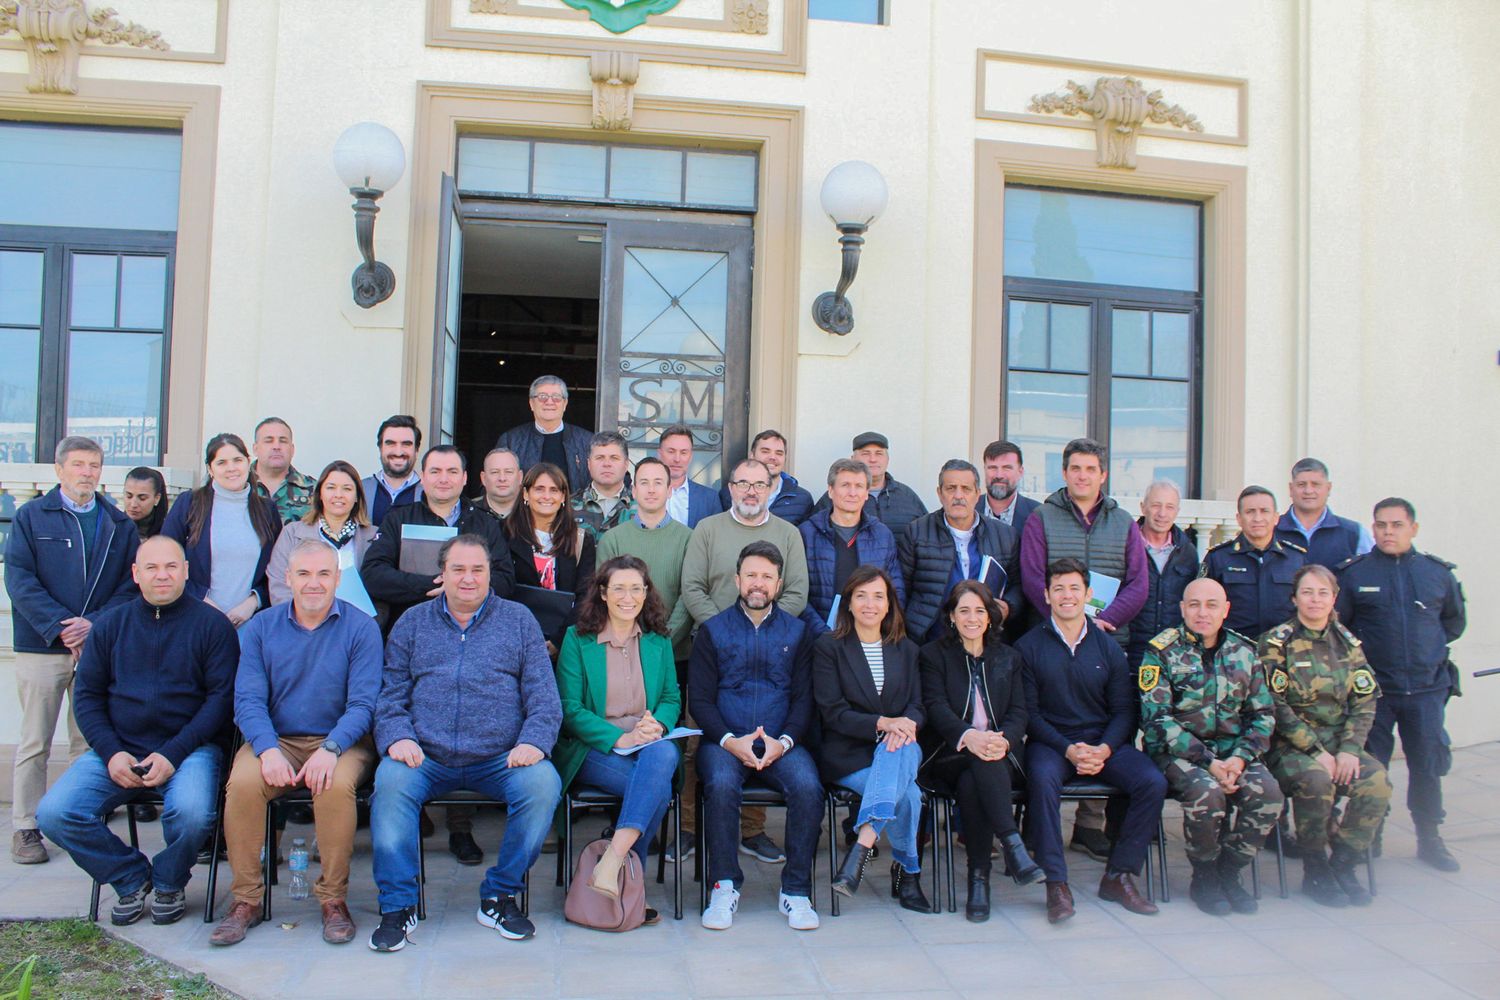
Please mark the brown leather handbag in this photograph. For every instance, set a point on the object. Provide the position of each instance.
(588, 907)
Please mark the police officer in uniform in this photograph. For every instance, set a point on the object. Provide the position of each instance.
(1406, 607)
(1325, 704)
(1255, 567)
(1206, 714)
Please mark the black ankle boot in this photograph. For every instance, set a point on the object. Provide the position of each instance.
(906, 888)
(1240, 899)
(977, 909)
(1023, 870)
(1318, 881)
(1206, 890)
(1342, 866)
(852, 871)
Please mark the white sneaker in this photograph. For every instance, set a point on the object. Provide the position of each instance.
(721, 906)
(800, 915)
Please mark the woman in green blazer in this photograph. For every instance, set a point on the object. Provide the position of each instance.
(618, 684)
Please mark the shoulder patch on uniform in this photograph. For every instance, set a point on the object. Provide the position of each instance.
(1215, 548)
(1279, 680)
(1440, 561)
(1293, 546)
(1279, 635)
(1362, 681)
(1150, 674)
(1164, 638)
(1348, 636)
(1347, 563)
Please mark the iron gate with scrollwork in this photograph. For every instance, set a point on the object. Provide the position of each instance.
(675, 343)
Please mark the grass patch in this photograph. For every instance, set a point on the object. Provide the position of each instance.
(76, 960)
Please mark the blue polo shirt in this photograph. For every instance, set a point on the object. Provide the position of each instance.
(298, 682)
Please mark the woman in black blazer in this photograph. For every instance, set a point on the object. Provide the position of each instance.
(548, 549)
(869, 695)
(974, 744)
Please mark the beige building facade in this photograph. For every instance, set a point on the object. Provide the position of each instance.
(1219, 235)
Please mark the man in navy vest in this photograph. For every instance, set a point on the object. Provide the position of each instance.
(1330, 540)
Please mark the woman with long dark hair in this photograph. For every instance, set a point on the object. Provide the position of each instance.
(227, 531)
(869, 694)
(337, 518)
(618, 684)
(547, 547)
(144, 500)
(976, 719)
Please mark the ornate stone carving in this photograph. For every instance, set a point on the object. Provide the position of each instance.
(54, 32)
(1119, 106)
(614, 75)
(753, 17)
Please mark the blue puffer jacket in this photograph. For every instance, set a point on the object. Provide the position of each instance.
(876, 545)
(47, 578)
(742, 675)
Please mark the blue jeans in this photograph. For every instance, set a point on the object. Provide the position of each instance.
(530, 795)
(890, 800)
(795, 776)
(72, 816)
(644, 783)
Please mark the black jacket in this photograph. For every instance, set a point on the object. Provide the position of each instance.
(849, 705)
(928, 557)
(526, 441)
(1258, 582)
(1089, 695)
(386, 582)
(572, 573)
(947, 693)
(1406, 610)
(1163, 609)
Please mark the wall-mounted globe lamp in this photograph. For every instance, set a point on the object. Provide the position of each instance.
(369, 160)
(854, 194)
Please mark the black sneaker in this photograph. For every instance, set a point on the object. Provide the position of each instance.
(1091, 842)
(130, 907)
(683, 849)
(762, 848)
(168, 907)
(503, 913)
(394, 930)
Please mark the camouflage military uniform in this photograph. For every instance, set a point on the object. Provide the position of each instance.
(294, 497)
(589, 512)
(1193, 714)
(1325, 701)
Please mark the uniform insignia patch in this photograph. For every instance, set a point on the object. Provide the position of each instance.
(1278, 680)
(1150, 674)
(1164, 639)
(1363, 681)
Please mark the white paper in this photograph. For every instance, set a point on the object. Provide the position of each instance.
(681, 732)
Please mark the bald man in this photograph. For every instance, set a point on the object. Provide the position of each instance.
(154, 689)
(304, 698)
(1207, 716)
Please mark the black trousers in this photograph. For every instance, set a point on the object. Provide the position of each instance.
(983, 789)
(1419, 720)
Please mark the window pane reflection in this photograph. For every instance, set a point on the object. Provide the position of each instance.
(93, 295)
(143, 287)
(645, 175)
(114, 393)
(1045, 411)
(18, 394)
(499, 165)
(21, 286)
(1171, 355)
(89, 177)
(1100, 239)
(569, 171)
(1148, 434)
(1130, 331)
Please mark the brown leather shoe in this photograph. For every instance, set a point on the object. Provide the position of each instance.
(1120, 888)
(338, 926)
(1059, 902)
(241, 917)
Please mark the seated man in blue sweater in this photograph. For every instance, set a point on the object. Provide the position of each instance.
(1081, 722)
(154, 689)
(304, 698)
(469, 701)
(750, 689)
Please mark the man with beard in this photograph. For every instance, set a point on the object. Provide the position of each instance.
(1003, 499)
(397, 482)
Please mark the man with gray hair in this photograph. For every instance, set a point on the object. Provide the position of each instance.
(842, 538)
(1330, 540)
(67, 558)
(1172, 562)
(548, 438)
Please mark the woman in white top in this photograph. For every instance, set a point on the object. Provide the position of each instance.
(867, 687)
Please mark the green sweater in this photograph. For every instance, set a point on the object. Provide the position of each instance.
(662, 549)
(708, 583)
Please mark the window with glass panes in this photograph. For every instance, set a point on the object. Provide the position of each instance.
(86, 288)
(1103, 311)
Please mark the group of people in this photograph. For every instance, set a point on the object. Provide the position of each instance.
(996, 650)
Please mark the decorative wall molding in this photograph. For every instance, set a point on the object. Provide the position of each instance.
(1119, 105)
(614, 75)
(782, 22)
(54, 32)
(91, 45)
(1016, 87)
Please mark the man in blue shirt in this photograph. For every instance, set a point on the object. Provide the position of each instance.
(1330, 540)
(304, 698)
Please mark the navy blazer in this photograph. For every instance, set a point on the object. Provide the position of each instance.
(703, 501)
(200, 556)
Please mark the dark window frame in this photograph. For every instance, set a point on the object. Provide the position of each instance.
(58, 244)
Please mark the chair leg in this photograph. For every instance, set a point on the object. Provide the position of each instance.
(268, 863)
(1370, 870)
(94, 904)
(1161, 860)
(676, 854)
(213, 863)
(701, 850)
(1281, 864)
(833, 897)
(526, 894)
(565, 849)
(661, 838)
(135, 838)
(948, 851)
(1255, 875)
(421, 872)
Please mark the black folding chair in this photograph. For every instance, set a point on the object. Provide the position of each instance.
(459, 798)
(751, 795)
(153, 797)
(838, 796)
(586, 798)
(275, 809)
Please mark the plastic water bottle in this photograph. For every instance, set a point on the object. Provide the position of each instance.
(298, 887)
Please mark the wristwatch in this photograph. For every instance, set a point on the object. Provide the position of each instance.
(332, 747)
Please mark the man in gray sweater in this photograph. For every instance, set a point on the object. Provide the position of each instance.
(468, 701)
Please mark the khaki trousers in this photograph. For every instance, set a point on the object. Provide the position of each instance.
(42, 679)
(334, 816)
